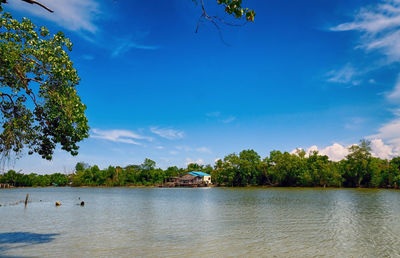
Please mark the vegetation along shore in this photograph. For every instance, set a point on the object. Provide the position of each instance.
(358, 169)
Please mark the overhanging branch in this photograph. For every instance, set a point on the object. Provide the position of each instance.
(41, 5)
(32, 2)
(214, 20)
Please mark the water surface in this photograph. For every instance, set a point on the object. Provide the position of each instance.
(272, 222)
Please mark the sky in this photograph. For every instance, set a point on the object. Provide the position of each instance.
(318, 75)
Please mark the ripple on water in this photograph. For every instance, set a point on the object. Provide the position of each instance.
(292, 222)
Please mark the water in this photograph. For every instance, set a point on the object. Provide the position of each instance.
(207, 222)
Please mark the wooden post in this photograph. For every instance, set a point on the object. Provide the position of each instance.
(26, 199)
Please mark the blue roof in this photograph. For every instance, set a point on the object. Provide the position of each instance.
(198, 173)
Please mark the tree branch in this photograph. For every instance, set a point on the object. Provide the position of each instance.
(2, 94)
(213, 20)
(32, 2)
(34, 80)
(34, 61)
(27, 80)
(41, 5)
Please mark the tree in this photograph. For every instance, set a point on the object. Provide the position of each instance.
(249, 164)
(148, 164)
(322, 171)
(81, 166)
(357, 163)
(39, 104)
(194, 167)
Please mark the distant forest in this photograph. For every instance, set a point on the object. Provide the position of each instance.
(357, 169)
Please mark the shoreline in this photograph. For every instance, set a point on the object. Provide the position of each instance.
(212, 186)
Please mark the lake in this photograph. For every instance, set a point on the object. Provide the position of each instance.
(279, 222)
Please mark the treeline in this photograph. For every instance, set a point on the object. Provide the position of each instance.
(27, 180)
(357, 169)
(145, 174)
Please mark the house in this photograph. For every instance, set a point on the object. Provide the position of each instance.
(191, 179)
(206, 178)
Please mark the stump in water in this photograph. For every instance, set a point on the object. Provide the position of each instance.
(26, 199)
(58, 203)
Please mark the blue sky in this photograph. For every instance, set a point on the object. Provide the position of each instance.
(306, 74)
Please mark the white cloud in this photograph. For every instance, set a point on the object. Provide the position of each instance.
(381, 150)
(190, 149)
(344, 75)
(390, 130)
(396, 112)
(198, 161)
(127, 45)
(74, 15)
(160, 147)
(203, 150)
(123, 136)
(228, 120)
(166, 133)
(390, 133)
(379, 27)
(311, 149)
(214, 114)
(337, 151)
(394, 95)
(295, 151)
(221, 118)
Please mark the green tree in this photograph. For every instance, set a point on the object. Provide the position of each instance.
(357, 163)
(148, 164)
(194, 167)
(231, 170)
(249, 163)
(285, 168)
(59, 179)
(172, 172)
(81, 166)
(39, 104)
(10, 177)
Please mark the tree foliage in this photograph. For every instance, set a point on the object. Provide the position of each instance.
(234, 7)
(39, 104)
